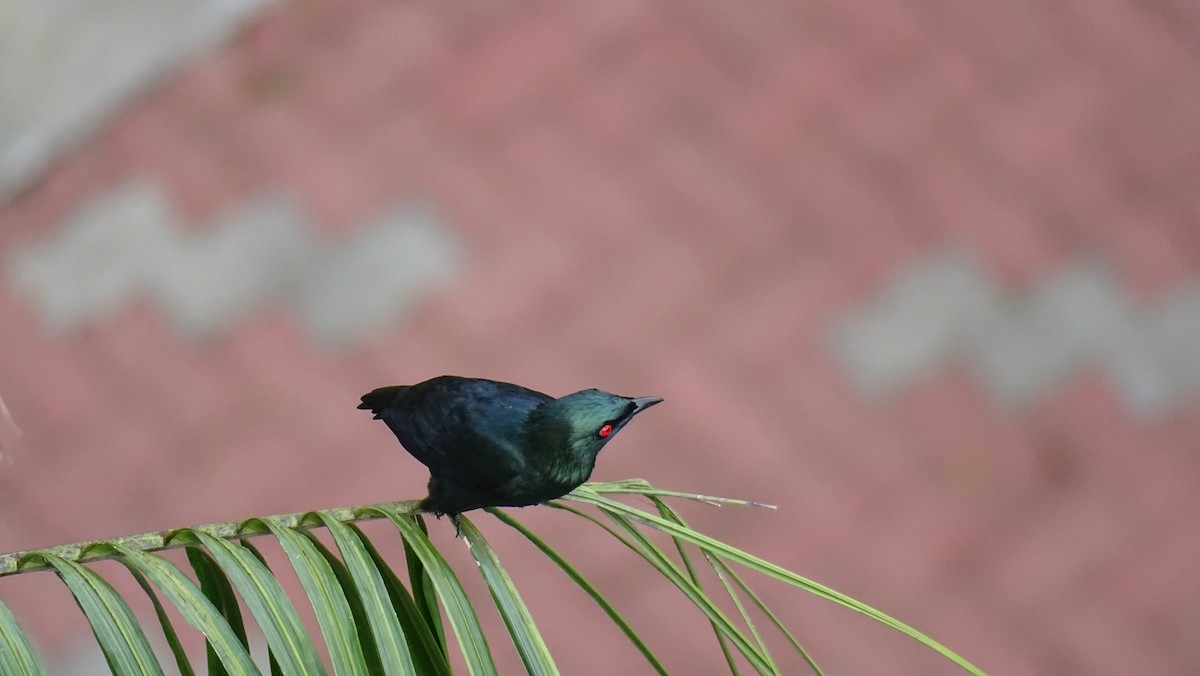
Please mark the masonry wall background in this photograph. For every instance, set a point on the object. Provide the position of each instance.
(925, 275)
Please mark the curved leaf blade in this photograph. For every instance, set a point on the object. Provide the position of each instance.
(362, 624)
(181, 658)
(655, 557)
(695, 577)
(249, 546)
(385, 626)
(725, 573)
(588, 588)
(195, 608)
(270, 606)
(459, 611)
(530, 645)
(215, 586)
(423, 595)
(117, 631)
(16, 655)
(766, 568)
(428, 653)
(328, 601)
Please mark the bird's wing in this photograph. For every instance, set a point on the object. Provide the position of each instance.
(466, 429)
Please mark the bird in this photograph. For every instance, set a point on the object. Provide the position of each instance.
(494, 444)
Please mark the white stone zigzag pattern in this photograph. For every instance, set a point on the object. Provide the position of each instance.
(945, 310)
(130, 243)
(66, 66)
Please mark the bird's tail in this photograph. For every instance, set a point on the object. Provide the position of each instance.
(378, 399)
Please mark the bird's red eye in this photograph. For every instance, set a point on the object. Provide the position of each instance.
(605, 430)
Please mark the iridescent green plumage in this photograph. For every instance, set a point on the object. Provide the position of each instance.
(489, 444)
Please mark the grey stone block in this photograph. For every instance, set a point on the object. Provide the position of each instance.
(129, 243)
(1032, 344)
(925, 315)
(103, 256)
(210, 281)
(368, 282)
(1155, 360)
(66, 65)
(943, 311)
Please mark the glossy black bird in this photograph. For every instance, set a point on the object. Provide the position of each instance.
(494, 444)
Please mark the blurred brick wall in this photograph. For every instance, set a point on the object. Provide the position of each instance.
(926, 275)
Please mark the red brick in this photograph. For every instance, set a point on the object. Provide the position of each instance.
(1099, 507)
(330, 175)
(1150, 262)
(1038, 567)
(56, 195)
(1032, 133)
(70, 491)
(276, 138)
(601, 25)
(1147, 158)
(51, 389)
(1099, 638)
(507, 68)
(836, 424)
(381, 58)
(968, 623)
(1180, 15)
(841, 206)
(640, 202)
(258, 471)
(1129, 41)
(470, 186)
(919, 103)
(656, 281)
(721, 199)
(749, 32)
(1157, 595)
(764, 124)
(711, 421)
(279, 35)
(836, 637)
(1120, 452)
(440, 346)
(725, 181)
(1178, 430)
(284, 379)
(1008, 234)
(970, 451)
(211, 90)
(755, 325)
(416, 352)
(43, 607)
(507, 294)
(472, 21)
(1010, 45)
(561, 198)
(626, 91)
(161, 376)
(886, 32)
(17, 531)
(339, 187)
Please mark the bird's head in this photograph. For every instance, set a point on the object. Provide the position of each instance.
(590, 418)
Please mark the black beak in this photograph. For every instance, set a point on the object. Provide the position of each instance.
(642, 403)
(639, 404)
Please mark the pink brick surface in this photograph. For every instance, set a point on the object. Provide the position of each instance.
(678, 199)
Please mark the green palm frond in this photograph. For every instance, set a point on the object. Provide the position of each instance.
(373, 619)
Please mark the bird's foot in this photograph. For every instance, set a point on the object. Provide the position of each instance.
(455, 518)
